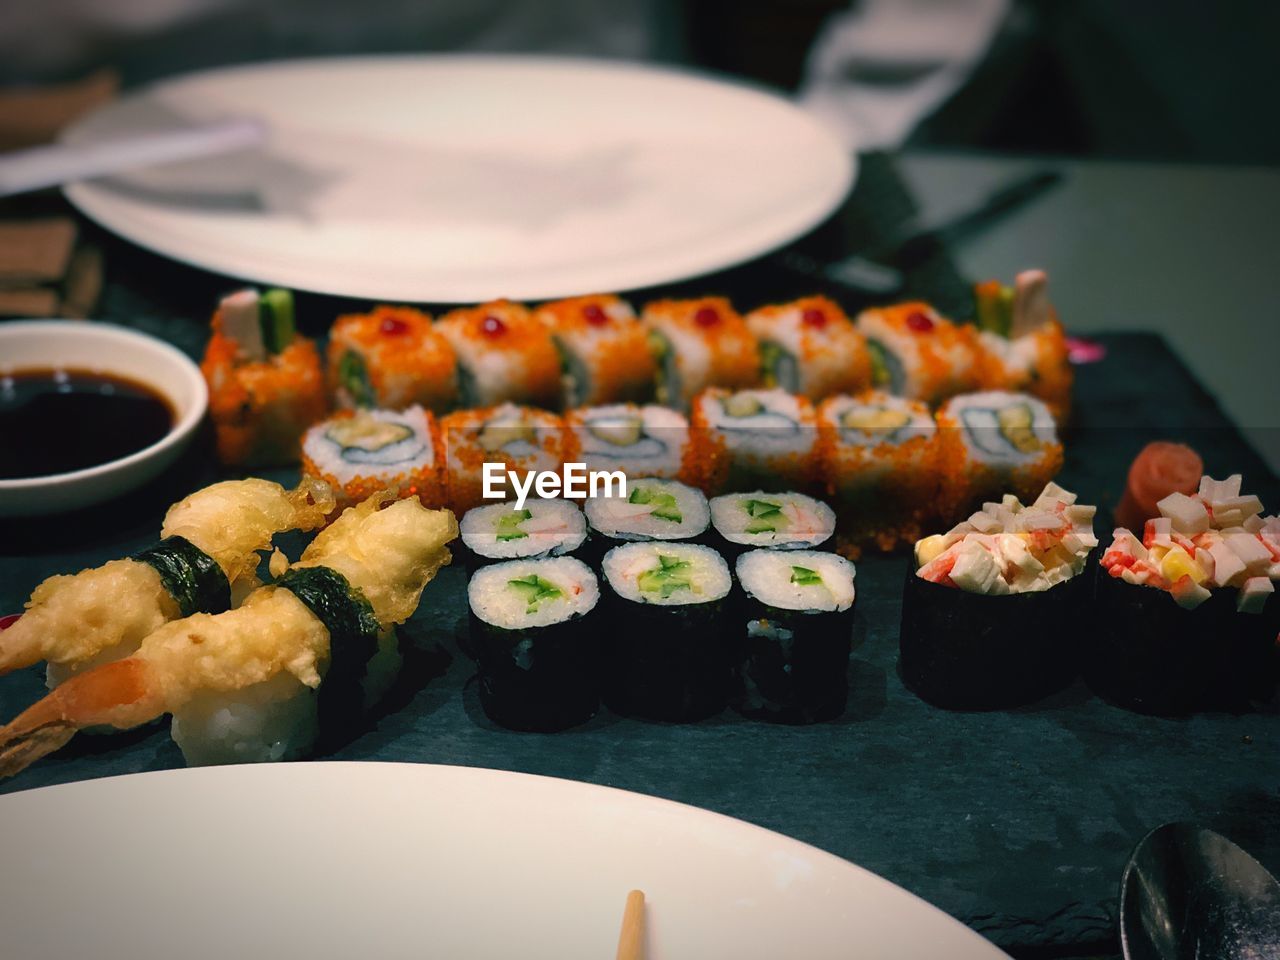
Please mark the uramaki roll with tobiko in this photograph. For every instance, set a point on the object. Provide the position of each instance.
(991, 609)
(765, 439)
(698, 344)
(503, 355)
(521, 440)
(810, 347)
(392, 358)
(265, 383)
(880, 463)
(1187, 618)
(918, 353)
(603, 350)
(640, 441)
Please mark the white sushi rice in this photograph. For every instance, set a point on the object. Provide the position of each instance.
(778, 427)
(621, 519)
(657, 451)
(708, 574)
(395, 459)
(554, 527)
(902, 419)
(495, 602)
(769, 576)
(984, 440)
(805, 522)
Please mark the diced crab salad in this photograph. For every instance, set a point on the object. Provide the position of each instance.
(1216, 537)
(1009, 548)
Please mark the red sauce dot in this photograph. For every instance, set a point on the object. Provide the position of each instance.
(706, 317)
(394, 327)
(491, 326)
(813, 317)
(919, 321)
(594, 315)
(9, 621)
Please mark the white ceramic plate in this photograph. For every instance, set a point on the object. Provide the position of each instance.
(341, 860)
(461, 178)
(101, 348)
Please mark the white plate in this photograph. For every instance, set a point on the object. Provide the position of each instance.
(461, 178)
(341, 860)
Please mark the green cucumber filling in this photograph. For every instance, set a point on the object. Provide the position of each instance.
(670, 575)
(664, 504)
(995, 308)
(880, 375)
(509, 525)
(354, 377)
(534, 590)
(664, 379)
(765, 516)
(275, 317)
(806, 577)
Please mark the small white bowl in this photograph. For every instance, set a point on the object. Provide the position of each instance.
(109, 349)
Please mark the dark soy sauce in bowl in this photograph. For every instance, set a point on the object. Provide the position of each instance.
(56, 420)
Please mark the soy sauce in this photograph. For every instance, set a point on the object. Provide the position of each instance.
(58, 420)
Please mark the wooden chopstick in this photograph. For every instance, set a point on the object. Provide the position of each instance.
(631, 937)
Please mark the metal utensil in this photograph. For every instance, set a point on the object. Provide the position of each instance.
(1188, 892)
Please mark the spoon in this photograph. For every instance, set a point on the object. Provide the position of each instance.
(1188, 892)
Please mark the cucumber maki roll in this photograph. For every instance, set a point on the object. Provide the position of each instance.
(541, 528)
(538, 664)
(785, 521)
(668, 656)
(662, 510)
(797, 631)
(991, 609)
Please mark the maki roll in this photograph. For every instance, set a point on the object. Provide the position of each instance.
(992, 608)
(538, 664)
(917, 353)
(647, 441)
(698, 344)
(503, 355)
(796, 633)
(880, 463)
(755, 438)
(603, 350)
(658, 510)
(810, 347)
(1187, 617)
(522, 439)
(393, 358)
(361, 452)
(993, 442)
(541, 528)
(265, 383)
(667, 658)
(1021, 343)
(785, 521)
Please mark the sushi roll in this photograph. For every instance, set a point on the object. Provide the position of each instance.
(1022, 345)
(698, 344)
(265, 382)
(917, 353)
(603, 350)
(665, 511)
(880, 464)
(755, 438)
(640, 441)
(667, 656)
(522, 439)
(503, 355)
(992, 609)
(358, 452)
(994, 442)
(783, 521)
(541, 528)
(1186, 614)
(810, 347)
(796, 633)
(391, 358)
(538, 661)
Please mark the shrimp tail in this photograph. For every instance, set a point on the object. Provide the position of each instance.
(122, 694)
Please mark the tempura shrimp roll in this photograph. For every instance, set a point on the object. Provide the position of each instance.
(275, 670)
(209, 549)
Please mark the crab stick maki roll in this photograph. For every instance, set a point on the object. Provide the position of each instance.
(392, 358)
(639, 441)
(991, 609)
(520, 439)
(755, 438)
(994, 442)
(603, 349)
(363, 451)
(783, 521)
(503, 355)
(1187, 613)
(668, 657)
(665, 511)
(797, 634)
(265, 382)
(880, 463)
(538, 661)
(1022, 345)
(810, 347)
(540, 528)
(918, 353)
(698, 344)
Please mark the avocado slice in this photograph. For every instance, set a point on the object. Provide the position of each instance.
(1016, 427)
(742, 405)
(875, 420)
(618, 431)
(495, 436)
(363, 432)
